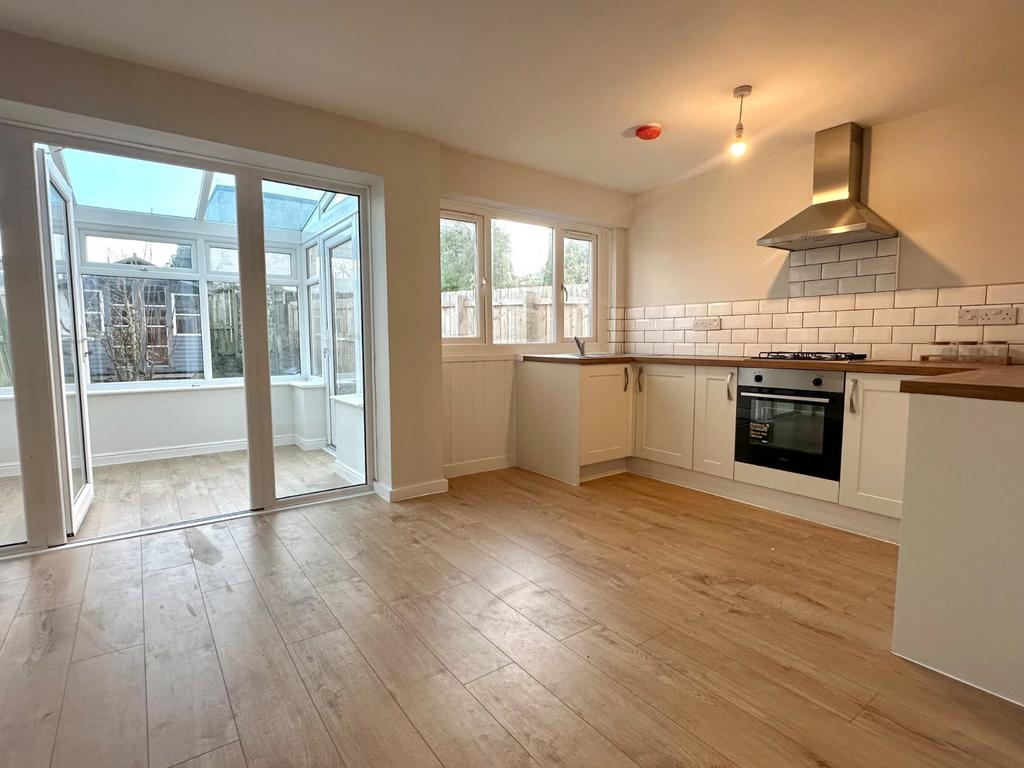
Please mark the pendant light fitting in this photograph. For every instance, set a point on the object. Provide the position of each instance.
(739, 144)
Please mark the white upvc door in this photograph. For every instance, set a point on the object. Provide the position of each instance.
(71, 345)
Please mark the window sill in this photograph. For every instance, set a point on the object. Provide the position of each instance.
(196, 385)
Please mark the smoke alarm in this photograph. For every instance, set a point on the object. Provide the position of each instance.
(648, 131)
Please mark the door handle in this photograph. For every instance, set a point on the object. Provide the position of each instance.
(565, 293)
(625, 384)
(728, 386)
(853, 395)
(640, 379)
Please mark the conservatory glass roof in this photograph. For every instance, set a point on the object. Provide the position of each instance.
(142, 186)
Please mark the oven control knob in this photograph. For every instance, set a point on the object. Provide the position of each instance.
(816, 381)
(758, 378)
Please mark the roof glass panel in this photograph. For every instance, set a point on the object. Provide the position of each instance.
(127, 184)
(285, 206)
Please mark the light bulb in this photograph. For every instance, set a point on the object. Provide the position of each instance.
(738, 147)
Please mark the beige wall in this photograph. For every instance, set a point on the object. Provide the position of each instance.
(947, 179)
(406, 323)
(474, 178)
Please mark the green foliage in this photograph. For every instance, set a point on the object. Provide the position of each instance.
(576, 261)
(458, 256)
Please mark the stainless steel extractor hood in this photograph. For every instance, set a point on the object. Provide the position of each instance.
(836, 215)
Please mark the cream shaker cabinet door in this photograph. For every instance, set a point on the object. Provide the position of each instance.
(664, 414)
(874, 444)
(714, 420)
(606, 412)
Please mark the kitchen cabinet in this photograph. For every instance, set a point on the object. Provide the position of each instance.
(606, 412)
(714, 420)
(874, 444)
(664, 414)
(571, 415)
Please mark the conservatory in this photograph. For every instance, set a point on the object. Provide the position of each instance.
(146, 297)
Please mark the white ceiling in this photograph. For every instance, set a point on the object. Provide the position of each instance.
(554, 84)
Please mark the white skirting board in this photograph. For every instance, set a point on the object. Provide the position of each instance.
(474, 466)
(429, 488)
(823, 512)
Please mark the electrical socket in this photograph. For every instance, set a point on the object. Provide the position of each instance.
(707, 323)
(986, 316)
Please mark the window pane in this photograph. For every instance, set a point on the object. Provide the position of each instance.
(225, 303)
(312, 262)
(137, 253)
(347, 349)
(283, 329)
(127, 184)
(459, 299)
(142, 329)
(578, 276)
(12, 508)
(522, 266)
(316, 349)
(226, 260)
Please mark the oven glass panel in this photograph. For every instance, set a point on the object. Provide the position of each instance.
(787, 425)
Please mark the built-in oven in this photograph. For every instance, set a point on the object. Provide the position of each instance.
(790, 420)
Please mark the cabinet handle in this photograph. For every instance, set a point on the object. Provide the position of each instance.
(625, 384)
(640, 379)
(853, 395)
(728, 386)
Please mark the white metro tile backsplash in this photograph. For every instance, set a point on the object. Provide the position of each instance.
(854, 268)
(885, 325)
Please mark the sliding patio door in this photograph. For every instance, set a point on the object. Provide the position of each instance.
(71, 345)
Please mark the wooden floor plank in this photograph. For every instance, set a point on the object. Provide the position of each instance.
(103, 722)
(189, 713)
(456, 726)
(111, 617)
(230, 756)
(649, 738)
(368, 727)
(56, 579)
(298, 610)
(277, 722)
(216, 558)
(545, 610)
(34, 665)
(463, 650)
(555, 735)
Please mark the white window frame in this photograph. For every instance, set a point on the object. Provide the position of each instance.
(175, 313)
(483, 292)
(484, 344)
(572, 234)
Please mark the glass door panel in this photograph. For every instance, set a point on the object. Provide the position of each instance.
(150, 321)
(12, 505)
(72, 345)
(320, 420)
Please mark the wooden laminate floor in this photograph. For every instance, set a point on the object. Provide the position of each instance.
(129, 497)
(511, 622)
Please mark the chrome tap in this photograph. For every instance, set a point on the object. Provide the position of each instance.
(580, 346)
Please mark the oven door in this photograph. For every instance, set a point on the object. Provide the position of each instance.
(790, 430)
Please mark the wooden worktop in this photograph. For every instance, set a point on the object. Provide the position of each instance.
(953, 379)
(991, 382)
(859, 366)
